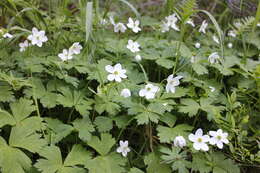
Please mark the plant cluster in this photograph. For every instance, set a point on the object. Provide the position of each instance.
(84, 89)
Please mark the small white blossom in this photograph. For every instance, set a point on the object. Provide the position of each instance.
(197, 45)
(24, 45)
(134, 25)
(232, 33)
(218, 138)
(116, 72)
(179, 141)
(165, 27)
(126, 93)
(215, 38)
(213, 58)
(258, 24)
(8, 35)
(212, 89)
(203, 27)
(65, 55)
(37, 37)
(171, 22)
(172, 82)
(192, 59)
(199, 140)
(138, 58)
(230, 45)
(123, 148)
(75, 48)
(190, 22)
(111, 19)
(133, 46)
(149, 91)
(119, 27)
(238, 24)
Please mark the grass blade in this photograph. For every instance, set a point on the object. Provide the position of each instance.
(89, 17)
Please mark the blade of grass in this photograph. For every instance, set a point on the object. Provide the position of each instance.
(89, 16)
(257, 17)
(131, 7)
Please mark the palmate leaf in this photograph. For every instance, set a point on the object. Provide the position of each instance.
(52, 161)
(167, 134)
(112, 163)
(103, 123)
(6, 94)
(154, 164)
(191, 107)
(57, 130)
(84, 128)
(135, 170)
(102, 145)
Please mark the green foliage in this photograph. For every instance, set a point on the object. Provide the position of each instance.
(67, 116)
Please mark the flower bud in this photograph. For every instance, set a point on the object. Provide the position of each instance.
(179, 141)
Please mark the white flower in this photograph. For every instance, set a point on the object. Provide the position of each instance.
(215, 38)
(172, 82)
(111, 19)
(8, 35)
(258, 24)
(75, 48)
(179, 141)
(138, 58)
(123, 148)
(192, 59)
(212, 89)
(218, 138)
(203, 27)
(197, 45)
(24, 45)
(213, 58)
(232, 33)
(190, 22)
(199, 140)
(171, 22)
(125, 93)
(134, 25)
(37, 37)
(133, 46)
(65, 55)
(165, 27)
(119, 27)
(116, 72)
(230, 45)
(149, 91)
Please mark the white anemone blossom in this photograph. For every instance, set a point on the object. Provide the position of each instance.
(133, 46)
(37, 37)
(197, 45)
(119, 27)
(199, 140)
(123, 148)
(203, 27)
(65, 55)
(190, 22)
(230, 45)
(218, 138)
(149, 91)
(24, 45)
(212, 89)
(172, 21)
(172, 82)
(75, 48)
(165, 27)
(232, 33)
(179, 141)
(134, 25)
(125, 93)
(116, 72)
(213, 58)
(138, 58)
(8, 35)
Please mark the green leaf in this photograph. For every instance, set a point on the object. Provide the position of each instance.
(135, 170)
(164, 62)
(52, 161)
(84, 127)
(167, 134)
(103, 145)
(190, 106)
(154, 164)
(112, 163)
(200, 163)
(13, 159)
(6, 94)
(169, 119)
(199, 69)
(58, 130)
(103, 124)
(6, 119)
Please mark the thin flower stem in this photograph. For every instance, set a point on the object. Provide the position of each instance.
(145, 74)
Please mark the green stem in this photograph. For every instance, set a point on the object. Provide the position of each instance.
(145, 75)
